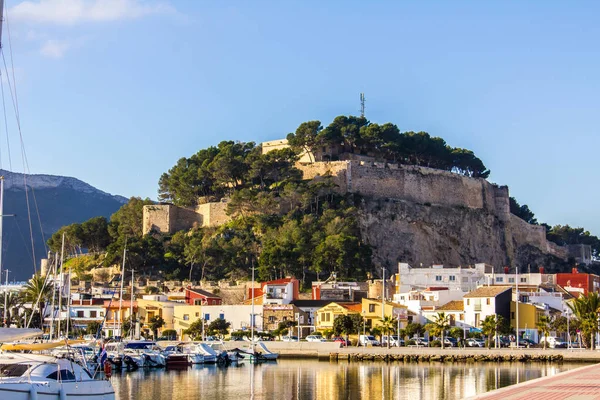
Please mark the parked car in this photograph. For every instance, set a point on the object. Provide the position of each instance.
(471, 342)
(527, 342)
(450, 342)
(368, 340)
(504, 341)
(342, 340)
(421, 341)
(553, 342)
(289, 339)
(315, 338)
(394, 341)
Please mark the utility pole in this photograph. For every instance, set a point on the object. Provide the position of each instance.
(383, 295)
(362, 105)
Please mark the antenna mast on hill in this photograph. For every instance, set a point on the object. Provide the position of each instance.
(362, 105)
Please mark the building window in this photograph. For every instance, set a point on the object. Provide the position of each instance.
(438, 278)
(93, 314)
(461, 317)
(452, 278)
(186, 317)
(487, 301)
(102, 313)
(371, 307)
(79, 314)
(511, 280)
(468, 301)
(207, 317)
(221, 316)
(523, 280)
(512, 315)
(197, 302)
(271, 319)
(197, 314)
(499, 279)
(214, 302)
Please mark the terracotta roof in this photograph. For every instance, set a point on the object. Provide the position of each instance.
(281, 281)
(354, 307)
(204, 293)
(454, 305)
(436, 288)
(488, 291)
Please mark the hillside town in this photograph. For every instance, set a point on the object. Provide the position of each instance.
(467, 296)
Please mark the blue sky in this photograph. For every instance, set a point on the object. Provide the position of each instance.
(114, 91)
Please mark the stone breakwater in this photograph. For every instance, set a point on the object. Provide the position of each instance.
(358, 357)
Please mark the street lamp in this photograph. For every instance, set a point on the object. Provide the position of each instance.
(364, 326)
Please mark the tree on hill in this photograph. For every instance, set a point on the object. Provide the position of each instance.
(564, 235)
(522, 211)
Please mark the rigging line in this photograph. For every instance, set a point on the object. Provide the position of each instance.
(6, 124)
(24, 159)
(24, 153)
(12, 65)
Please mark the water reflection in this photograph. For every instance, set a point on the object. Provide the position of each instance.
(321, 380)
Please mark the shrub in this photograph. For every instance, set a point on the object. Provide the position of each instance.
(411, 342)
(435, 343)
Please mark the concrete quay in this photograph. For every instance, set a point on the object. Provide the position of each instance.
(577, 384)
(333, 351)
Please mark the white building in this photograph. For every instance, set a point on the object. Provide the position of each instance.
(485, 301)
(461, 278)
(531, 279)
(430, 299)
(237, 315)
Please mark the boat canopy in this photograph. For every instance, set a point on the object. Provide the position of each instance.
(12, 334)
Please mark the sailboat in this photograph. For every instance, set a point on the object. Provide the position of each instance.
(34, 376)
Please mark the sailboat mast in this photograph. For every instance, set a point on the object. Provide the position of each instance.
(60, 282)
(252, 311)
(121, 295)
(5, 298)
(54, 269)
(131, 308)
(2, 202)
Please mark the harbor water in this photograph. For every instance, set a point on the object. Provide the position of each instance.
(309, 379)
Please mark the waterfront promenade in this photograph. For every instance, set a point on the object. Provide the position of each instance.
(578, 384)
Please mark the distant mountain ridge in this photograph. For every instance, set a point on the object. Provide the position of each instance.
(14, 180)
(60, 201)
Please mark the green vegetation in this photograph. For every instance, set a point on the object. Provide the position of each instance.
(384, 142)
(585, 309)
(562, 235)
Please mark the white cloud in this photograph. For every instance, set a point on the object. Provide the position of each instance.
(70, 12)
(54, 48)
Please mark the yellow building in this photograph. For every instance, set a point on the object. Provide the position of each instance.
(147, 309)
(371, 311)
(185, 315)
(529, 315)
(327, 314)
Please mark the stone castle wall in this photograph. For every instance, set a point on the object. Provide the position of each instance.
(418, 184)
(168, 218)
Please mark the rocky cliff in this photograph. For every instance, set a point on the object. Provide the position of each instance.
(426, 216)
(416, 233)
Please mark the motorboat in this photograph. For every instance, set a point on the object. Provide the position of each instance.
(34, 376)
(175, 358)
(264, 352)
(136, 354)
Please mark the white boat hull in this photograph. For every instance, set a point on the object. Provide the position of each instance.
(89, 390)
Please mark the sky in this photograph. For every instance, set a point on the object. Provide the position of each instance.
(114, 92)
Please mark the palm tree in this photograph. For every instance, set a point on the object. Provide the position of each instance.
(543, 326)
(13, 302)
(585, 309)
(490, 326)
(440, 323)
(388, 325)
(36, 292)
